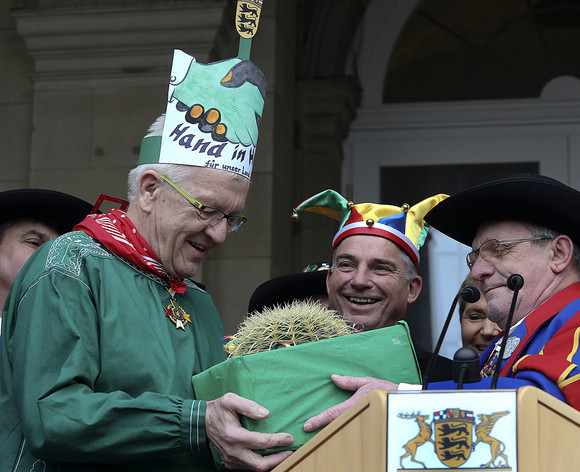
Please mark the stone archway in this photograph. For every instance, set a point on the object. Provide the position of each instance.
(543, 130)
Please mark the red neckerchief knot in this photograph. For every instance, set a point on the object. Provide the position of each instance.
(177, 285)
(118, 234)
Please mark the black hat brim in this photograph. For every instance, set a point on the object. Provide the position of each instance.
(529, 198)
(59, 210)
(284, 289)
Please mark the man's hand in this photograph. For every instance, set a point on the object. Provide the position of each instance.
(235, 443)
(360, 385)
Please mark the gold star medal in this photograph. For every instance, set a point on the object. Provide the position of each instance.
(175, 313)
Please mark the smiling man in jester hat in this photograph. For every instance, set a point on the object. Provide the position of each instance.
(518, 225)
(105, 331)
(375, 255)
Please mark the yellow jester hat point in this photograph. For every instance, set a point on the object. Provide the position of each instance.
(404, 225)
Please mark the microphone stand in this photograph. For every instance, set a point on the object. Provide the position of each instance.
(470, 295)
(514, 282)
(465, 367)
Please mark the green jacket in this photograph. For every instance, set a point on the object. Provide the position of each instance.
(93, 375)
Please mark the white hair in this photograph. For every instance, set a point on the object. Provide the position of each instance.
(174, 172)
(156, 129)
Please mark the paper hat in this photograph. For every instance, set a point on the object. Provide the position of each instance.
(311, 282)
(59, 210)
(213, 110)
(530, 198)
(403, 225)
(212, 118)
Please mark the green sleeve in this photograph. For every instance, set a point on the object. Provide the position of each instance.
(69, 408)
(193, 427)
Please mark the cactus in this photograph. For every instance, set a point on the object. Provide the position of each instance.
(290, 324)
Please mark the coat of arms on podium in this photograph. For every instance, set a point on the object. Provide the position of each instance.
(452, 431)
(453, 435)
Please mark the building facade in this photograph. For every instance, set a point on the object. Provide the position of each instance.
(383, 100)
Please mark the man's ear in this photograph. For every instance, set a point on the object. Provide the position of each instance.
(415, 285)
(149, 187)
(561, 252)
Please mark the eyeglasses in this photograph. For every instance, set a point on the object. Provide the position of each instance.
(495, 248)
(207, 215)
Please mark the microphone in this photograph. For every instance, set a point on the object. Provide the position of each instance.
(465, 367)
(514, 282)
(470, 295)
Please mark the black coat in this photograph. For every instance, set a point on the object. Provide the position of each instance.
(443, 369)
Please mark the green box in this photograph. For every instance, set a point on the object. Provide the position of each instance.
(294, 383)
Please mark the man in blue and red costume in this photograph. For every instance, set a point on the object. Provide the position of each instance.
(523, 225)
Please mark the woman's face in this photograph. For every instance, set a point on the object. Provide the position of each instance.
(477, 331)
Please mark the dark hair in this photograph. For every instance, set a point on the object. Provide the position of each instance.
(3, 227)
(410, 269)
(8, 223)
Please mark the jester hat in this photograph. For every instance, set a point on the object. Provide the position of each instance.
(404, 225)
(213, 110)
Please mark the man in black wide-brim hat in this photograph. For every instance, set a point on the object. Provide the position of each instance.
(28, 219)
(526, 225)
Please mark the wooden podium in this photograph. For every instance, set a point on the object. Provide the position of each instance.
(548, 438)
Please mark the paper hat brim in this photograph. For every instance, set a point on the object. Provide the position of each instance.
(530, 198)
(60, 210)
(286, 288)
(383, 231)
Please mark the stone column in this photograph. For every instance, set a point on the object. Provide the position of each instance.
(15, 104)
(326, 108)
(100, 79)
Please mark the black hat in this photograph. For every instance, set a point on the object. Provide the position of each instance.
(310, 282)
(530, 198)
(57, 209)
